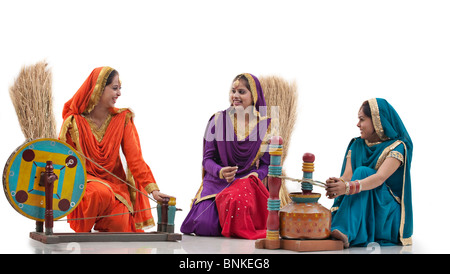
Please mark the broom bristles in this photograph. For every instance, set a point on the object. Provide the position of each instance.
(281, 93)
(31, 95)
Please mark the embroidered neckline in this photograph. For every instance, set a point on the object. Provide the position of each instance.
(99, 132)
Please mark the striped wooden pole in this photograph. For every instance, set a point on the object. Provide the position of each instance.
(273, 203)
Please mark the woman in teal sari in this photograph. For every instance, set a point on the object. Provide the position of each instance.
(373, 195)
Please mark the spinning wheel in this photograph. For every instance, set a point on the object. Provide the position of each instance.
(45, 180)
(23, 183)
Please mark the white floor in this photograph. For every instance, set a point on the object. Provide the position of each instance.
(188, 245)
(430, 236)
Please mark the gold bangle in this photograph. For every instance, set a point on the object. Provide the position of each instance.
(347, 188)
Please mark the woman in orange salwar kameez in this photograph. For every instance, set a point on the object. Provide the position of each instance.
(94, 126)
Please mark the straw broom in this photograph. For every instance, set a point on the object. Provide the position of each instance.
(31, 95)
(281, 93)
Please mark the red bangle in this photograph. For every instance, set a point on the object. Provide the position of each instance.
(354, 187)
(358, 186)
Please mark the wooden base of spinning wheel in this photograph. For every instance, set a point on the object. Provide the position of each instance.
(300, 245)
(57, 238)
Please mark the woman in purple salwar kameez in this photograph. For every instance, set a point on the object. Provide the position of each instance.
(232, 201)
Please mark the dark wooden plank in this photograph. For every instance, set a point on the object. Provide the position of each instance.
(105, 237)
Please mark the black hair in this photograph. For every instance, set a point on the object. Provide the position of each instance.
(366, 109)
(111, 77)
(243, 78)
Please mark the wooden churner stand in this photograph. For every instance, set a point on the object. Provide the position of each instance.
(302, 225)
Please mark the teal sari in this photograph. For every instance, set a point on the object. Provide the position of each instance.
(384, 214)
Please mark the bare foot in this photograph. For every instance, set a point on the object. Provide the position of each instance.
(340, 236)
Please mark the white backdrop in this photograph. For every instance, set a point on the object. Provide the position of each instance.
(176, 60)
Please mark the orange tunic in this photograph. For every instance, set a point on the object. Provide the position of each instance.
(105, 193)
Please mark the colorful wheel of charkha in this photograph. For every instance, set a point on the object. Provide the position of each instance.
(22, 173)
